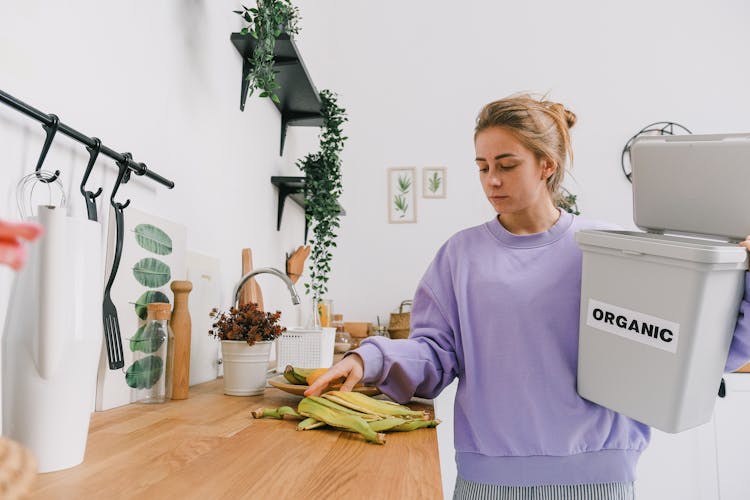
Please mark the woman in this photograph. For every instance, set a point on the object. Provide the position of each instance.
(499, 308)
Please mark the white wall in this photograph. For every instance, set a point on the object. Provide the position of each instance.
(161, 79)
(413, 75)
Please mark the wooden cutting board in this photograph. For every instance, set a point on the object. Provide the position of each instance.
(205, 273)
(251, 290)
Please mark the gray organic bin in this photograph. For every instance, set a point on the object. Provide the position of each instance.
(658, 311)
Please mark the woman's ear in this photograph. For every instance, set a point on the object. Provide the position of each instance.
(548, 168)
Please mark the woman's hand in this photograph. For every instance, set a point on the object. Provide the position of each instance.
(351, 367)
(746, 244)
(12, 252)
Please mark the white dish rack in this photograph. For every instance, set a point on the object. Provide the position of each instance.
(305, 348)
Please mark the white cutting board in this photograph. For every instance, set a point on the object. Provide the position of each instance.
(203, 272)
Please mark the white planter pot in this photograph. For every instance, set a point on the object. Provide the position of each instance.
(245, 367)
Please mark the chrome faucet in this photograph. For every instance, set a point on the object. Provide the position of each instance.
(269, 270)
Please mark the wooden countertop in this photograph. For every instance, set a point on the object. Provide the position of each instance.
(209, 447)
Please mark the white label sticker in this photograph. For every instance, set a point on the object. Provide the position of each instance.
(633, 325)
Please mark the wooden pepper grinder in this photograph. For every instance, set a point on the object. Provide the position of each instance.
(182, 327)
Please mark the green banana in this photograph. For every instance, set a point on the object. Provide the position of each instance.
(297, 376)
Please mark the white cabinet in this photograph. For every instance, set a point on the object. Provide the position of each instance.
(732, 417)
(679, 466)
(710, 462)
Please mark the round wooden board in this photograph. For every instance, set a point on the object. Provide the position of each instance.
(281, 383)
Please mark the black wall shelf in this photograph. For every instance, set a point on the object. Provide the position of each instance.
(292, 187)
(299, 102)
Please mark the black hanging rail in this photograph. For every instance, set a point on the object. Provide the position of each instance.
(47, 120)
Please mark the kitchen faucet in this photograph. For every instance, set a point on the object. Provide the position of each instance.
(269, 270)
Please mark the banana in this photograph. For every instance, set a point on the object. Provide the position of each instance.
(289, 375)
(297, 376)
(365, 404)
(311, 408)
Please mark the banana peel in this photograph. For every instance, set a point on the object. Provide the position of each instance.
(353, 412)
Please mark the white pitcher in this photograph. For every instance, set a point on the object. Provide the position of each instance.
(52, 341)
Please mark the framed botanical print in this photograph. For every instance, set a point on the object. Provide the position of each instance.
(402, 199)
(153, 254)
(434, 182)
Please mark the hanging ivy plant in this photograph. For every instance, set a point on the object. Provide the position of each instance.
(322, 192)
(266, 23)
(568, 202)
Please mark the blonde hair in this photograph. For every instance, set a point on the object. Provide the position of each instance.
(542, 126)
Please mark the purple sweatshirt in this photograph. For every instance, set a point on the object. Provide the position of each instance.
(500, 311)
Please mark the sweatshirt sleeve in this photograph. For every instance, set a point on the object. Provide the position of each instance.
(426, 362)
(739, 350)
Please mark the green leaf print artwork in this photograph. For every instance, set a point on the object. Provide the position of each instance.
(147, 339)
(147, 298)
(151, 272)
(153, 239)
(399, 200)
(404, 183)
(433, 183)
(144, 373)
(401, 204)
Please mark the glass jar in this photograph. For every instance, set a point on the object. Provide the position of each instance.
(149, 375)
(343, 342)
(338, 322)
(381, 331)
(325, 309)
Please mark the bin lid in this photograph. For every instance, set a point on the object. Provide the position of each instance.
(674, 247)
(692, 184)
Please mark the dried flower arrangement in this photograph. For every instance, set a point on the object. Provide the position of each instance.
(247, 323)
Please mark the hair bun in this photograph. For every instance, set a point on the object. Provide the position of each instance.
(567, 116)
(570, 117)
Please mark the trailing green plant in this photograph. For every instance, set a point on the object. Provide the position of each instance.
(266, 23)
(568, 202)
(323, 189)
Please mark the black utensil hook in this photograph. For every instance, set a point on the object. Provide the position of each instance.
(50, 130)
(109, 310)
(123, 176)
(90, 196)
